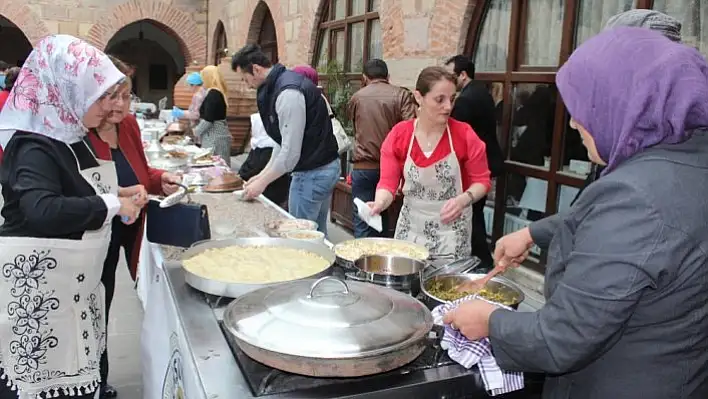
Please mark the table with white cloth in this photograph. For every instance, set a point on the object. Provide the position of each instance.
(170, 366)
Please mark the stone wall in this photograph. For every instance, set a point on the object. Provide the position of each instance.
(98, 20)
(407, 48)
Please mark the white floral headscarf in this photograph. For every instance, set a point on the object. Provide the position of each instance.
(61, 79)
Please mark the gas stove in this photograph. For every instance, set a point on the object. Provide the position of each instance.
(433, 375)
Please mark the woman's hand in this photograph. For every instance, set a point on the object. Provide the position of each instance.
(169, 181)
(128, 211)
(136, 193)
(471, 318)
(453, 208)
(375, 207)
(512, 249)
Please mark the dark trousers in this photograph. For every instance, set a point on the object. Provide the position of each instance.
(256, 161)
(364, 183)
(480, 248)
(7, 393)
(121, 236)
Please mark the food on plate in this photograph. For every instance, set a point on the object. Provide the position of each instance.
(255, 264)
(280, 227)
(355, 249)
(445, 292)
(226, 181)
(177, 154)
(304, 235)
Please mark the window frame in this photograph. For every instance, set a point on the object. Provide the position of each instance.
(516, 74)
(328, 25)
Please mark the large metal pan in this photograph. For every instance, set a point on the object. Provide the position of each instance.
(329, 328)
(450, 281)
(235, 290)
(349, 263)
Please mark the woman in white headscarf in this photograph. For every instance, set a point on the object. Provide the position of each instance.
(59, 202)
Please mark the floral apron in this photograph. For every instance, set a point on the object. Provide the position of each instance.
(425, 192)
(52, 326)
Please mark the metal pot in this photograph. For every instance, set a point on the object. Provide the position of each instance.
(329, 328)
(450, 281)
(395, 272)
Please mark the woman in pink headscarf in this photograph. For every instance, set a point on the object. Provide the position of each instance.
(59, 204)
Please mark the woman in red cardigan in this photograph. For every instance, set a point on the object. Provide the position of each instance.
(118, 139)
(443, 166)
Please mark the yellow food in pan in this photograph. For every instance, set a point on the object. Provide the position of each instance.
(255, 264)
(355, 249)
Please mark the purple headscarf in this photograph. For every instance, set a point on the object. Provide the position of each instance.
(308, 72)
(632, 88)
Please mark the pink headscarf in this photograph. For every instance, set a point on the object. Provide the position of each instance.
(308, 72)
(61, 79)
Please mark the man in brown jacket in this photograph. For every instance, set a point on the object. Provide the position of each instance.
(374, 109)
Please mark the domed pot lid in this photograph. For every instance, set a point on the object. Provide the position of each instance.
(328, 318)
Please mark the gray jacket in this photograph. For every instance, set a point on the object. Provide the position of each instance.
(626, 314)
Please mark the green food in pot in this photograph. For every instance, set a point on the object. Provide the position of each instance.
(438, 289)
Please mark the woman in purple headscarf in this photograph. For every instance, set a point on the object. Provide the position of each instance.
(627, 273)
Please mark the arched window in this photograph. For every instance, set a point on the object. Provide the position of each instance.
(350, 34)
(517, 46)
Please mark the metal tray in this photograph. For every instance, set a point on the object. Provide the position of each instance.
(235, 290)
(347, 264)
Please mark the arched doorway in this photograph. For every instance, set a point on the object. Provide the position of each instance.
(14, 45)
(155, 53)
(219, 43)
(262, 31)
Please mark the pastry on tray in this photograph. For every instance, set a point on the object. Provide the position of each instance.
(228, 181)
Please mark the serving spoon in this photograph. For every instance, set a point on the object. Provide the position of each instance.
(478, 285)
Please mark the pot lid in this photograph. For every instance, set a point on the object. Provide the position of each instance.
(328, 318)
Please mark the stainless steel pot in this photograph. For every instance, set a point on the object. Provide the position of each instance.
(235, 290)
(329, 328)
(450, 281)
(348, 263)
(389, 271)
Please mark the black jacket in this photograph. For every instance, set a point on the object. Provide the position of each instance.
(475, 106)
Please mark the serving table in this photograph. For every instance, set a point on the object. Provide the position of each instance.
(185, 353)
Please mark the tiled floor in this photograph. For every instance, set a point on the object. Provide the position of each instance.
(124, 330)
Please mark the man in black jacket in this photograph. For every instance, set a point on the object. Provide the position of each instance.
(296, 117)
(475, 106)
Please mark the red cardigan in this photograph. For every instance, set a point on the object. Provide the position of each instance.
(469, 149)
(131, 144)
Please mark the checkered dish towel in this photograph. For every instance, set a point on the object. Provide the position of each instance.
(468, 353)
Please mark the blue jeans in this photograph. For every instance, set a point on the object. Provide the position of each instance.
(364, 183)
(311, 193)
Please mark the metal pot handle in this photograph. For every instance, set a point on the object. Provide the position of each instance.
(319, 281)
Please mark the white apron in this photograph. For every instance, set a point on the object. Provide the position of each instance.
(52, 325)
(425, 192)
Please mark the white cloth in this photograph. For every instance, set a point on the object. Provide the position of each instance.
(425, 192)
(62, 77)
(259, 137)
(52, 321)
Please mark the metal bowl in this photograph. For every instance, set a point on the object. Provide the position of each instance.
(235, 290)
(389, 265)
(450, 281)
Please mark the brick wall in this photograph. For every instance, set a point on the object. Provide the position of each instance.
(407, 47)
(98, 20)
(416, 33)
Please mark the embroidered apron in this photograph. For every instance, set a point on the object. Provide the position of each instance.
(426, 190)
(52, 326)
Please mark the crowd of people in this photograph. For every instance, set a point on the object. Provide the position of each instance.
(626, 281)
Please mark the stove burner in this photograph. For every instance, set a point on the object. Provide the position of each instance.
(264, 380)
